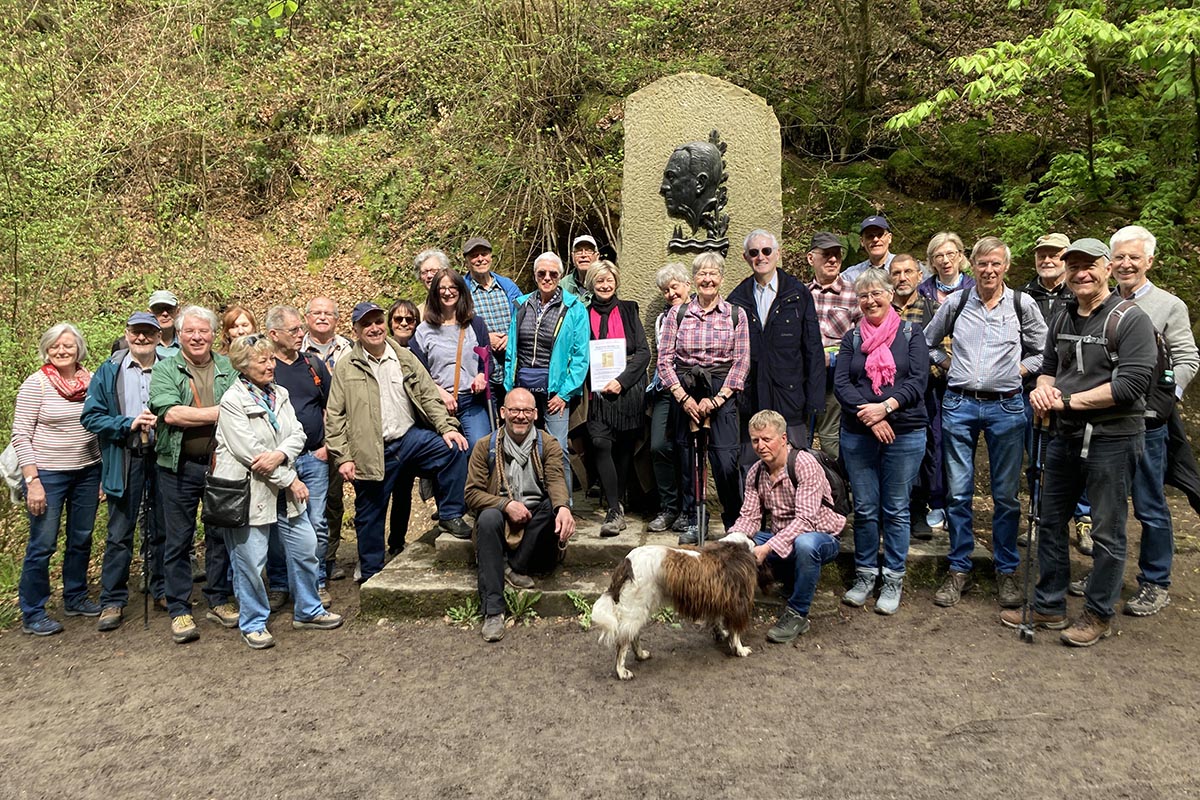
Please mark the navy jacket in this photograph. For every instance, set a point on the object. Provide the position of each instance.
(852, 386)
(787, 362)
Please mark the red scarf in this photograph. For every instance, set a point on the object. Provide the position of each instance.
(73, 390)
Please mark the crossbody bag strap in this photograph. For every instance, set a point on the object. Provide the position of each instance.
(462, 334)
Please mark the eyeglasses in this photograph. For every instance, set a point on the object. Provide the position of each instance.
(542, 274)
(447, 290)
(142, 334)
(708, 273)
(399, 320)
(880, 235)
(293, 330)
(754, 251)
(946, 256)
(164, 311)
(521, 412)
(874, 294)
(989, 264)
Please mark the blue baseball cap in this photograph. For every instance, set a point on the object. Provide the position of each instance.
(362, 309)
(143, 318)
(874, 222)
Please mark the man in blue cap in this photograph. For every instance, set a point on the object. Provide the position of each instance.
(116, 410)
(876, 237)
(384, 415)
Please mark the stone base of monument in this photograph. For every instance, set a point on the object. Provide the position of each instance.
(438, 572)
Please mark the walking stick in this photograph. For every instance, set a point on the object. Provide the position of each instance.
(147, 515)
(1041, 426)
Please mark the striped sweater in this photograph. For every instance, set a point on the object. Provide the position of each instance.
(46, 430)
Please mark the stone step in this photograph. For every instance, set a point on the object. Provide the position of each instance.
(435, 574)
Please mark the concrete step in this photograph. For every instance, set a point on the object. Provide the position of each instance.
(437, 572)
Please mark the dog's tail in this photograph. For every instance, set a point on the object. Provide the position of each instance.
(604, 612)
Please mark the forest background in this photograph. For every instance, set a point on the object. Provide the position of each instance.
(263, 151)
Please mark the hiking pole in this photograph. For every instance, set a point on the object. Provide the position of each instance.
(1040, 429)
(702, 479)
(147, 515)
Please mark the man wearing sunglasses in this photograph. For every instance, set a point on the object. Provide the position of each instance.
(787, 360)
(495, 298)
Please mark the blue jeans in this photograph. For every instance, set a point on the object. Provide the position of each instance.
(559, 426)
(802, 568)
(141, 483)
(1107, 474)
(420, 451)
(179, 495)
(248, 554)
(78, 491)
(1002, 423)
(314, 474)
(881, 478)
(472, 414)
(1150, 508)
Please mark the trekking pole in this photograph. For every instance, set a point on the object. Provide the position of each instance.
(147, 509)
(1041, 427)
(702, 473)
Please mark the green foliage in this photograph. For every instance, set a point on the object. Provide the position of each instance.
(466, 614)
(666, 616)
(583, 606)
(520, 604)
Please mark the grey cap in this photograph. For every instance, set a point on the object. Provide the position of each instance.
(474, 243)
(143, 318)
(1058, 240)
(824, 240)
(163, 298)
(1089, 247)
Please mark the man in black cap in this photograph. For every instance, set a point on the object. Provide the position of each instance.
(787, 360)
(116, 410)
(384, 415)
(1098, 439)
(875, 235)
(837, 310)
(495, 297)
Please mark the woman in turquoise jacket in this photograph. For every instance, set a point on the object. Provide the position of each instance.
(548, 350)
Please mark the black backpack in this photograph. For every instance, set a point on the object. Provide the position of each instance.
(835, 473)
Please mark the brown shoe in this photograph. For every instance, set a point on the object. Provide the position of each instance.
(952, 589)
(1008, 590)
(1055, 622)
(110, 619)
(1086, 631)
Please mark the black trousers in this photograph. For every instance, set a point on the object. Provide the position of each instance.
(536, 554)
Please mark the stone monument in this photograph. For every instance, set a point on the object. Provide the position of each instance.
(702, 169)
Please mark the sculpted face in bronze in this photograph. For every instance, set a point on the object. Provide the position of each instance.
(691, 182)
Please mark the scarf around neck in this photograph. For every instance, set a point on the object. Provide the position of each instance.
(73, 390)
(877, 344)
(522, 479)
(264, 398)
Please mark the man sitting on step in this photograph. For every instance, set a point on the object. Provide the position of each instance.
(517, 491)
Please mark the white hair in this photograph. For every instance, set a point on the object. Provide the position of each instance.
(1134, 233)
(199, 312)
(757, 232)
(433, 252)
(548, 256)
(54, 334)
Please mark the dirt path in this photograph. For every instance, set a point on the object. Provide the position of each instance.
(931, 703)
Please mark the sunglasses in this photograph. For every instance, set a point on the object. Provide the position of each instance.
(545, 273)
(399, 320)
(754, 251)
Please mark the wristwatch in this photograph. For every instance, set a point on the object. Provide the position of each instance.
(887, 409)
(1066, 398)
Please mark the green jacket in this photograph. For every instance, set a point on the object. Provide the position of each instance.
(354, 420)
(170, 386)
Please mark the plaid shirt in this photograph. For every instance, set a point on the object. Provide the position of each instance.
(837, 310)
(705, 339)
(794, 509)
(493, 305)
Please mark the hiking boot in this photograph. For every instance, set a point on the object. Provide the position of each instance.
(789, 626)
(42, 627)
(493, 628)
(1008, 590)
(1149, 599)
(690, 535)
(335, 572)
(225, 615)
(680, 524)
(1079, 587)
(110, 618)
(614, 523)
(952, 589)
(1022, 540)
(1086, 631)
(325, 597)
(1083, 533)
(889, 595)
(84, 608)
(183, 629)
(664, 520)
(258, 640)
(277, 599)
(456, 527)
(321, 622)
(919, 528)
(516, 579)
(864, 584)
(160, 603)
(1011, 617)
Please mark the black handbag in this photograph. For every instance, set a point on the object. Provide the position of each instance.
(226, 502)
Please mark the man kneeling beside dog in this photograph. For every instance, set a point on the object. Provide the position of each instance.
(790, 527)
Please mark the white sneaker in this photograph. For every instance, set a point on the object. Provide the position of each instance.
(889, 596)
(936, 518)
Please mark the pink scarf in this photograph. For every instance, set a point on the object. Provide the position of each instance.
(73, 390)
(877, 344)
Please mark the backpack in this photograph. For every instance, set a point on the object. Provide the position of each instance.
(856, 339)
(835, 473)
(734, 311)
(1160, 397)
(962, 303)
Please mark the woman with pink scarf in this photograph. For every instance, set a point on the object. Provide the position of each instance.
(60, 462)
(879, 380)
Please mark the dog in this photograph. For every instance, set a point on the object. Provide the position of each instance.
(715, 584)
